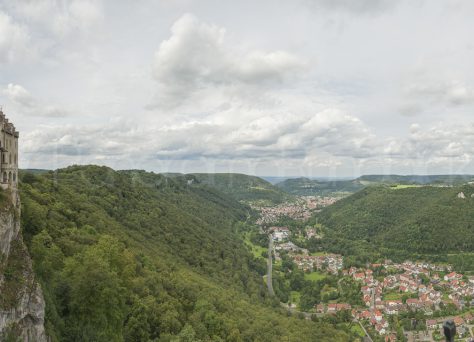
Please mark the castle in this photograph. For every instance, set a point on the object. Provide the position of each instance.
(8, 153)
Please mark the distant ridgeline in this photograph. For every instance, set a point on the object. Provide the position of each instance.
(417, 179)
(138, 256)
(241, 187)
(312, 187)
(404, 221)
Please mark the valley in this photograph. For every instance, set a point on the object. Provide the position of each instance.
(391, 300)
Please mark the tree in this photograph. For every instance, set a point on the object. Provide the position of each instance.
(95, 295)
(186, 335)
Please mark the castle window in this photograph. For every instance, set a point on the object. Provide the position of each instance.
(5, 179)
(14, 176)
(9, 177)
(10, 158)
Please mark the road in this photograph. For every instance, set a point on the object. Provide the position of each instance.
(270, 266)
(365, 331)
(293, 311)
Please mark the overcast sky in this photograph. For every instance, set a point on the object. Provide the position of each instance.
(300, 87)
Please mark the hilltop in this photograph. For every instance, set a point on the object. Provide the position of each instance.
(311, 187)
(138, 256)
(242, 187)
(416, 179)
(403, 220)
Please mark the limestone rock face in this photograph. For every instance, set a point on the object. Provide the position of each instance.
(22, 304)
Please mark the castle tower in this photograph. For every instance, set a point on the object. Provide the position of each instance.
(8, 153)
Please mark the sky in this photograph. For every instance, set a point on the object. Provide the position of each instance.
(329, 88)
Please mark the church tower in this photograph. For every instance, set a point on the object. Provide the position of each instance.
(8, 153)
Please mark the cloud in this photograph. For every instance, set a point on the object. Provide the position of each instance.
(60, 18)
(331, 133)
(351, 6)
(438, 144)
(449, 93)
(19, 95)
(27, 104)
(15, 43)
(197, 56)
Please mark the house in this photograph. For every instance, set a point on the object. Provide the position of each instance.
(380, 329)
(469, 318)
(320, 308)
(378, 316)
(432, 324)
(458, 321)
(365, 314)
(365, 290)
(343, 306)
(332, 308)
(359, 276)
(452, 276)
(413, 302)
(367, 300)
(391, 338)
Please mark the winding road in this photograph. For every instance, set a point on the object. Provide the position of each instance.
(293, 311)
(270, 266)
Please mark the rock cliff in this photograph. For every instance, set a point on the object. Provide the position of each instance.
(21, 299)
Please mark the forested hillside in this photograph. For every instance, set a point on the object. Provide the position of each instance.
(416, 179)
(403, 220)
(243, 187)
(311, 187)
(135, 256)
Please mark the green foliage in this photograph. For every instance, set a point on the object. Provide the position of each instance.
(416, 179)
(242, 187)
(407, 222)
(311, 187)
(136, 256)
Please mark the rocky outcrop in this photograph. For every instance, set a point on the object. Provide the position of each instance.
(21, 299)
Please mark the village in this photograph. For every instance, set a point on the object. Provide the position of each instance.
(301, 209)
(387, 289)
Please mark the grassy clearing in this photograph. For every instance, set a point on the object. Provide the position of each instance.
(356, 329)
(404, 186)
(392, 296)
(314, 276)
(295, 297)
(256, 250)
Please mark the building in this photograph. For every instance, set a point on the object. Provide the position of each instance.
(9, 153)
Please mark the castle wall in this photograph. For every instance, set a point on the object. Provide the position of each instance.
(8, 153)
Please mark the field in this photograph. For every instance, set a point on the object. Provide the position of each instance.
(392, 296)
(404, 186)
(256, 250)
(314, 276)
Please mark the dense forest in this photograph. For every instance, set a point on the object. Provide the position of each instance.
(416, 179)
(311, 187)
(136, 256)
(404, 221)
(243, 187)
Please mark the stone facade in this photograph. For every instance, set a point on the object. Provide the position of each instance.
(8, 153)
